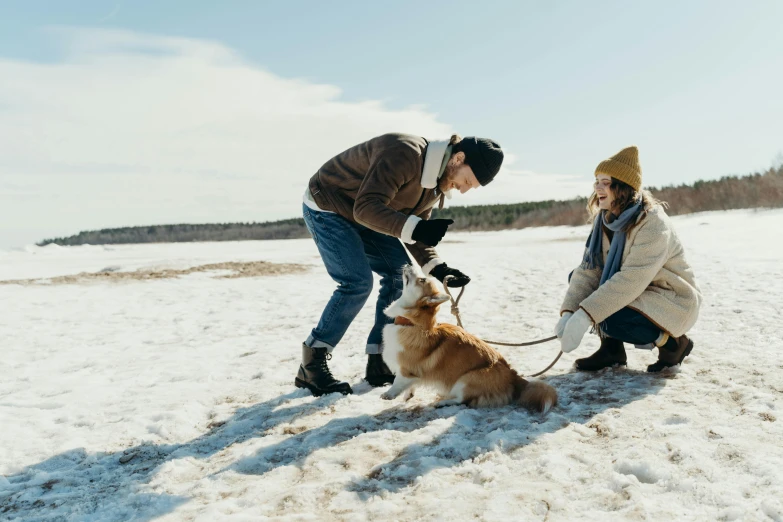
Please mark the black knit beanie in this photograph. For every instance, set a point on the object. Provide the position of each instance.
(484, 157)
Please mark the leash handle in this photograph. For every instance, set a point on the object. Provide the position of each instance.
(454, 302)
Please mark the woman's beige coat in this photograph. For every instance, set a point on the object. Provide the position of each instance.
(654, 279)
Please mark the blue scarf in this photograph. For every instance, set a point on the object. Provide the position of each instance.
(593, 257)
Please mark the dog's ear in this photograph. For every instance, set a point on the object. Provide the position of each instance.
(437, 299)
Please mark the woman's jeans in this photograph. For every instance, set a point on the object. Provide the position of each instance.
(351, 254)
(629, 326)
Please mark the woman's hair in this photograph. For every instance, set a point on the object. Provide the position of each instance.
(624, 197)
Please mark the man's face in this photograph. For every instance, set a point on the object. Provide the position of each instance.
(458, 175)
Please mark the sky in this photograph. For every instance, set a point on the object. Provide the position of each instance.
(138, 113)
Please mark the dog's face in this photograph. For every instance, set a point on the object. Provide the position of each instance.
(420, 297)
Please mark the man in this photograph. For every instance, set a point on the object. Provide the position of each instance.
(358, 207)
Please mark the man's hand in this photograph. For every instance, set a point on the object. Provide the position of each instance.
(442, 270)
(575, 330)
(431, 231)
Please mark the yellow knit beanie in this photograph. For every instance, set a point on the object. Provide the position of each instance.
(623, 166)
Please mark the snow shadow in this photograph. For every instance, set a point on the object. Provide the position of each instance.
(295, 450)
(472, 433)
(582, 397)
(77, 485)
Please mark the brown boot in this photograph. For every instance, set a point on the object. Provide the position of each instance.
(672, 353)
(610, 353)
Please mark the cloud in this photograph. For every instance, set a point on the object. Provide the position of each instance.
(133, 129)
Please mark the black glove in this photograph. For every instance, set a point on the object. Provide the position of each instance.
(442, 270)
(431, 231)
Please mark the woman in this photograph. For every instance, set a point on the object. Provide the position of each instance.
(634, 284)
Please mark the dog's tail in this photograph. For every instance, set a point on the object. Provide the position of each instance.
(535, 395)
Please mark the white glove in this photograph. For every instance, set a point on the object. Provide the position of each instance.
(560, 326)
(575, 329)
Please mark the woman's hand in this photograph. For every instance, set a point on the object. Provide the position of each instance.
(575, 329)
(561, 324)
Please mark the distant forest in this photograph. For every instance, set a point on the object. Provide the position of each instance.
(759, 190)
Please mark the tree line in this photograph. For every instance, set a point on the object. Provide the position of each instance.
(758, 190)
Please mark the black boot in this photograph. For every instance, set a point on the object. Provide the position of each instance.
(672, 353)
(314, 374)
(377, 374)
(610, 353)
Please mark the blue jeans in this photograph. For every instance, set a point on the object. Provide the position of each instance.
(629, 326)
(351, 254)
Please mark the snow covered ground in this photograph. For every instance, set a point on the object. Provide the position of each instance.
(173, 399)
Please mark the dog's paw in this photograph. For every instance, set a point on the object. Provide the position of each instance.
(408, 395)
(387, 396)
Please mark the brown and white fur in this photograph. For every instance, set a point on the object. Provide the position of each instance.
(464, 369)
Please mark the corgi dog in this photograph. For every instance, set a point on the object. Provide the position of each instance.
(463, 368)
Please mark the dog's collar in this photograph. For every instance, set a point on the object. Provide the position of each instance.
(402, 321)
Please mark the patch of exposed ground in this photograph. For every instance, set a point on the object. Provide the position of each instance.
(236, 269)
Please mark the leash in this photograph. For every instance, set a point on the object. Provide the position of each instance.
(455, 313)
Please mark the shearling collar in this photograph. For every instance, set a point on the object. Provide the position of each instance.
(435, 159)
